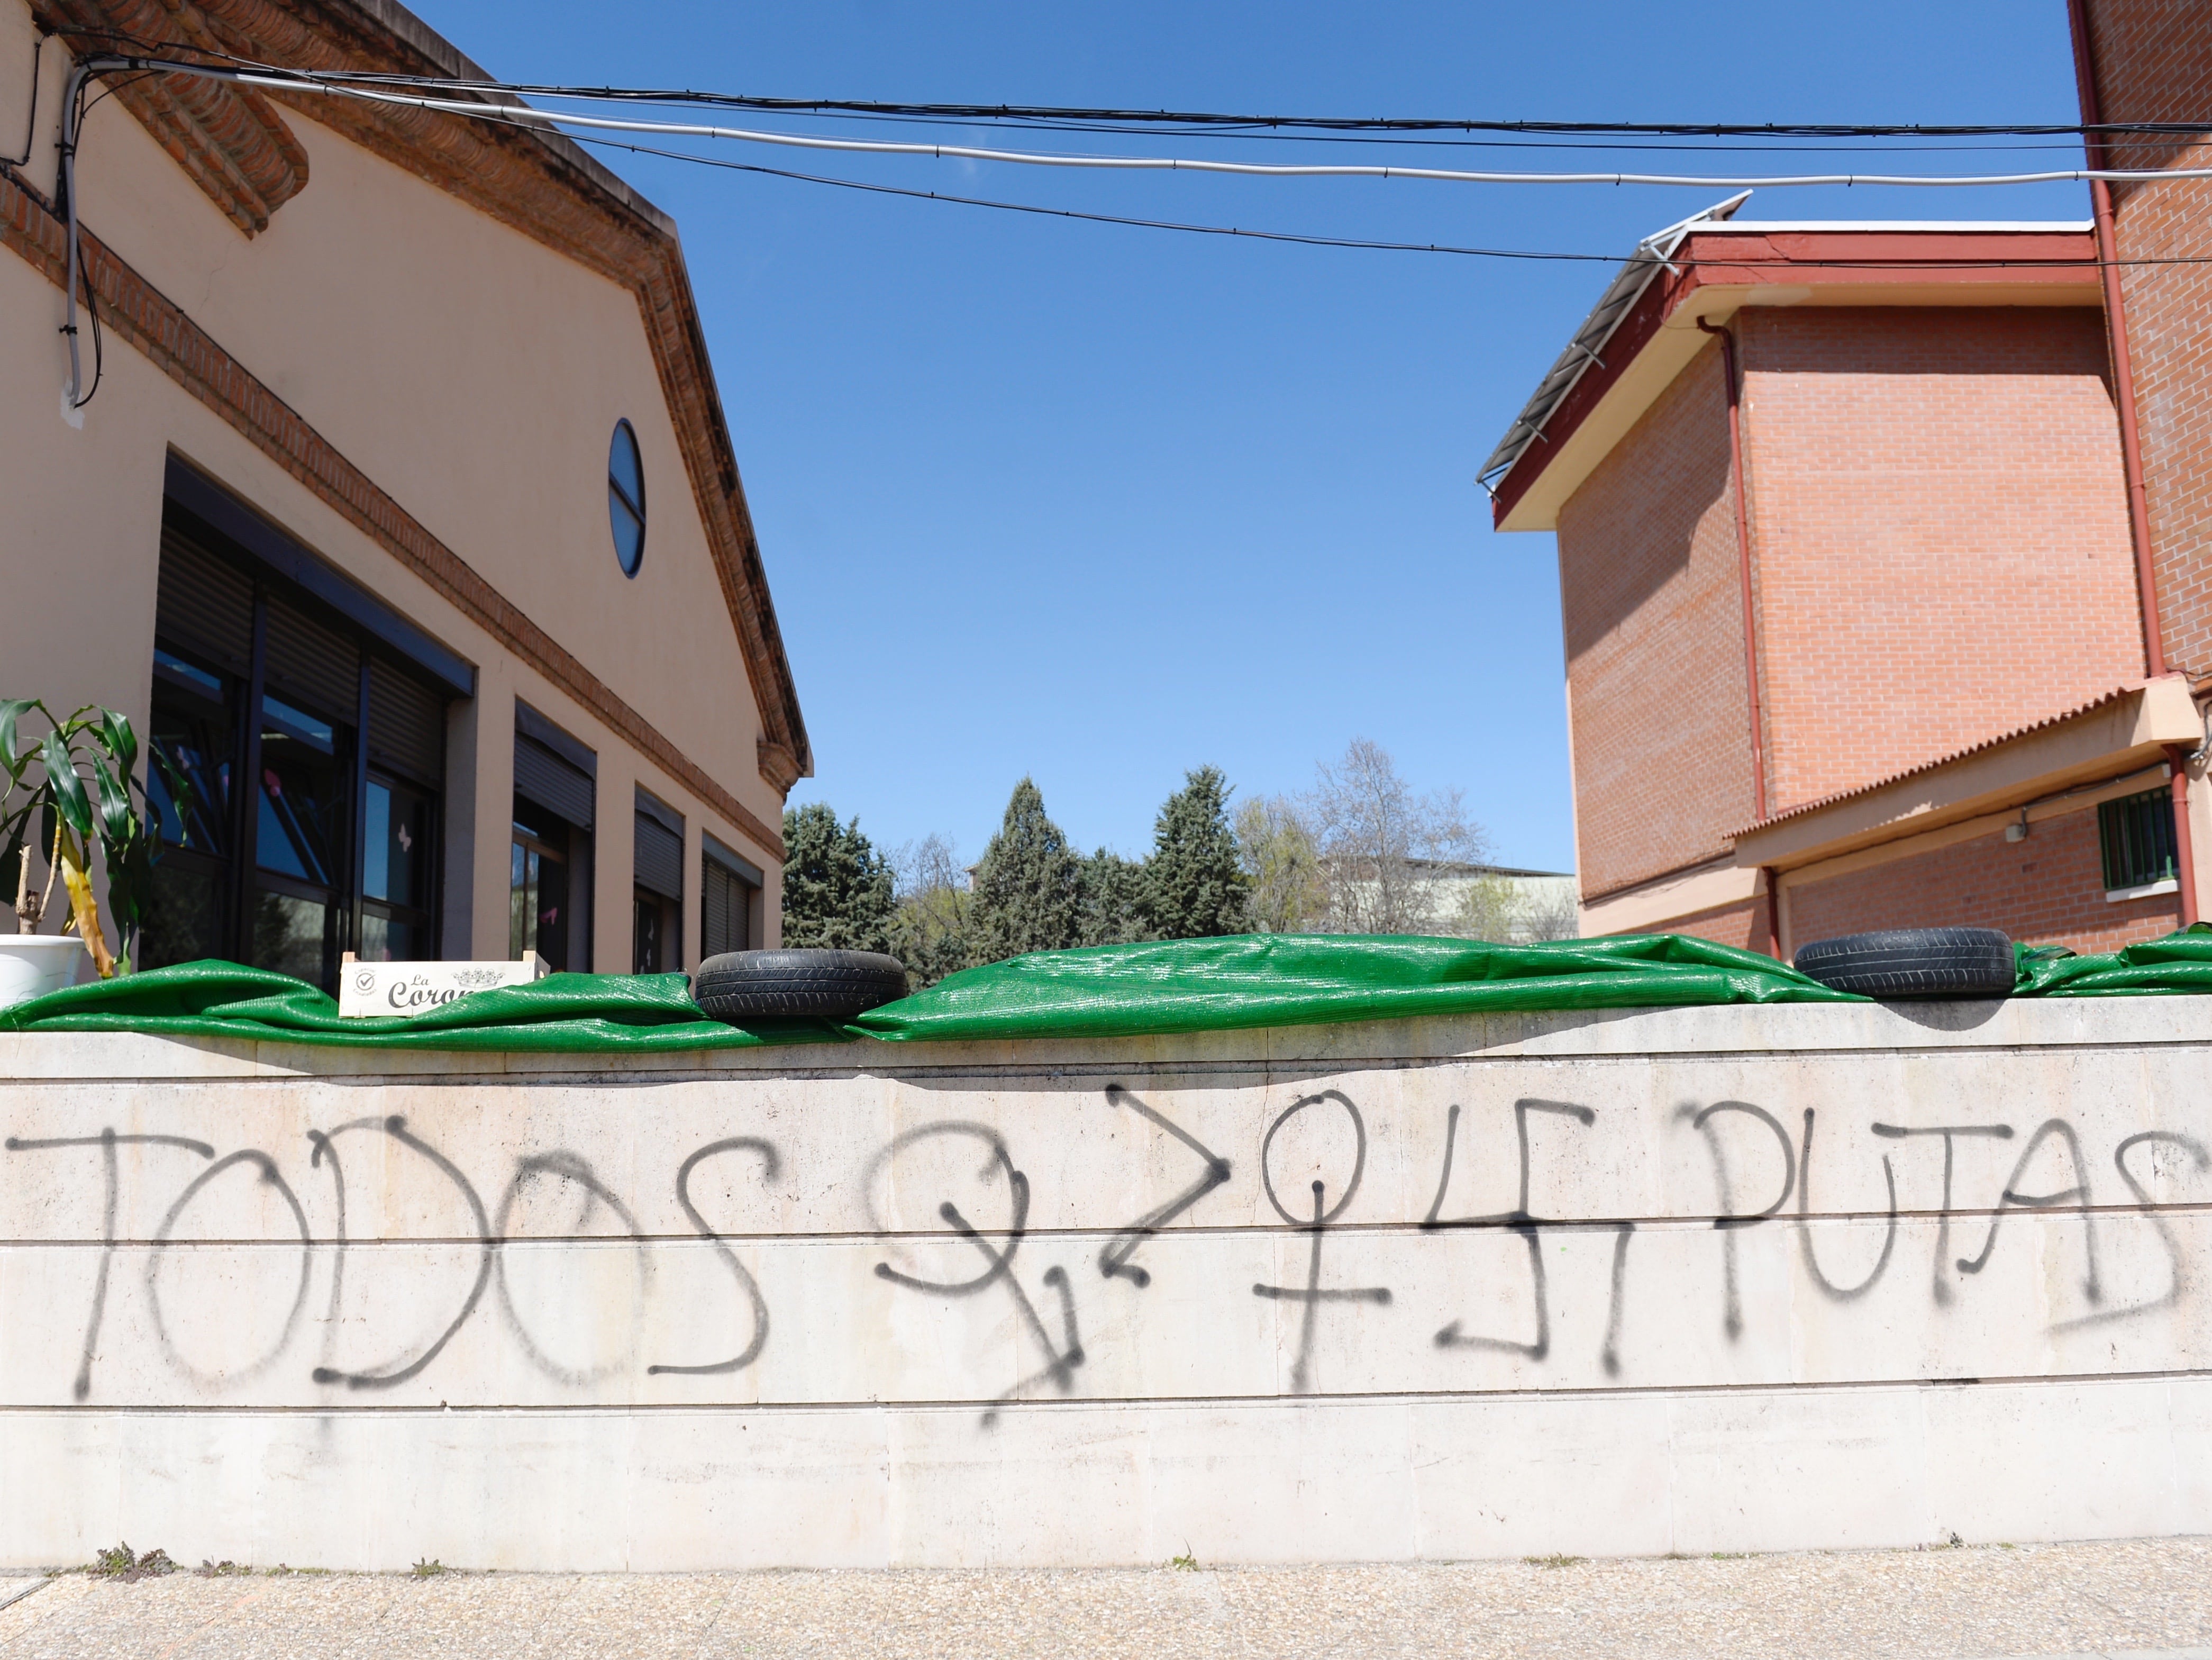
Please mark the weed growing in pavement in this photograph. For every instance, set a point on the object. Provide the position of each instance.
(222, 1570)
(429, 1567)
(1187, 1562)
(117, 1562)
(1731, 1555)
(1558, 1560)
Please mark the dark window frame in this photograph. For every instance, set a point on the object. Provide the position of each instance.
(283, 573)
(718, 860)
(620, 498)
(2135, 840)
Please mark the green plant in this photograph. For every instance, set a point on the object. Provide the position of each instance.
(117, 1562)
(429, 1567)
(222, 1570)
(1186, 1563)
(1558, 1560)
(84, 792)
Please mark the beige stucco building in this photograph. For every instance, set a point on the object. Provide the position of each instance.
(404, 492)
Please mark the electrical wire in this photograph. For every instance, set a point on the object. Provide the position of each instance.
(519, 115)
(1315, 240)
(31, 127)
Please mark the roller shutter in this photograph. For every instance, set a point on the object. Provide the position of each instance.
(552, 781)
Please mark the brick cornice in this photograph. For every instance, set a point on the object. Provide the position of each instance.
(229, 140)
(133, 309)
(538, 184)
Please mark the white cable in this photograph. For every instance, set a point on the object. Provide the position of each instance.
(521, 115)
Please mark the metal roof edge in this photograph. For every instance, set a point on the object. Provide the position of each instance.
(1649, 258)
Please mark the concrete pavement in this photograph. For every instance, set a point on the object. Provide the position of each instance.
(2133, 1599)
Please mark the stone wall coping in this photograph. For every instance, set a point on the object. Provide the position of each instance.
(1731, 1029)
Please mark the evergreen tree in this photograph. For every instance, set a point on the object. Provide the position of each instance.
(1114, 900)
(1194, 884)
(1028, 894)
(837, 892)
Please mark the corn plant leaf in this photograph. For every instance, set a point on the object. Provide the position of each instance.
(12, 711)
(118, 824)
(64, 788)
(121, 741)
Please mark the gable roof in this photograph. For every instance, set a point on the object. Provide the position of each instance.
(1642, 332)
(234, 143)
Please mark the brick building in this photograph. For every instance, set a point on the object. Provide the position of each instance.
(1855, 632)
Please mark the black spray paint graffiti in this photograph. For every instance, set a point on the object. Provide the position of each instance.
(2203, 1160)
(561, 1173)
(107, 1141)
(1730, 1218)
(2077, 1194)
(998, 1262)
(558, 1166)
(577, 1172)
(1827, 1287)
(270, 1177)
(1313, 1293)
(397, 1372)
(770, 1166)
(1115, 1259)
(1523, 1221)
(1940, 1282)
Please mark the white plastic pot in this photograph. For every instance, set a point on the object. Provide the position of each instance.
(33, 964)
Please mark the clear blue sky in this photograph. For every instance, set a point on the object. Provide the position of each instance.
(1101, 505)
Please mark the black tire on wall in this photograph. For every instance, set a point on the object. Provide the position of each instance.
(821, 985)
(1904, 963)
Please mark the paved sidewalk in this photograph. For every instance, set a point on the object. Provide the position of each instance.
(2134, 1599)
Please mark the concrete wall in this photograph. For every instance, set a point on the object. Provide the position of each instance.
(1065, 1303)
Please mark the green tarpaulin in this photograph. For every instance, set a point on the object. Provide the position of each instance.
(1108, 991)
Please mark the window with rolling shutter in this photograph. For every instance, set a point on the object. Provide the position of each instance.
(310, 664)
(291, 849)
(406, 724)
(203, 605)
(657, 861)
(553, 782)
(659, 852)
(729, 891)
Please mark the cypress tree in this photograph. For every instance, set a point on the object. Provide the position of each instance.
(837, 893)
(1195, 884)
(1116, 911)
(1027, 895)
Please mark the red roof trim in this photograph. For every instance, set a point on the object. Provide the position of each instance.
(1717, 258)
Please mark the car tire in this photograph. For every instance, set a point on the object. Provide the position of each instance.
(796, 985)
(1895, 964)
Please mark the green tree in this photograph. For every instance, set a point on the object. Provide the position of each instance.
(1027, 892)
(1286, 892)
(1194, 886)
(1116, 901)
(837, 892)
(931, 931)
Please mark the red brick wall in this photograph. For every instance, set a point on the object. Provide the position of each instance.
(1939, 519)
(2153, 63)
(1742, 925)
(1655, 642)
(2048, 890)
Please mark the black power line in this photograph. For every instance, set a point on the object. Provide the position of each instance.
(1254, 125)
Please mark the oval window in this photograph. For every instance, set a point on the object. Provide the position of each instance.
(626, 498)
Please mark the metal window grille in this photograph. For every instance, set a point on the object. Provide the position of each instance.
(2136, 834)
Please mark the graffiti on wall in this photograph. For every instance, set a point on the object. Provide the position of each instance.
(1308, 1158)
